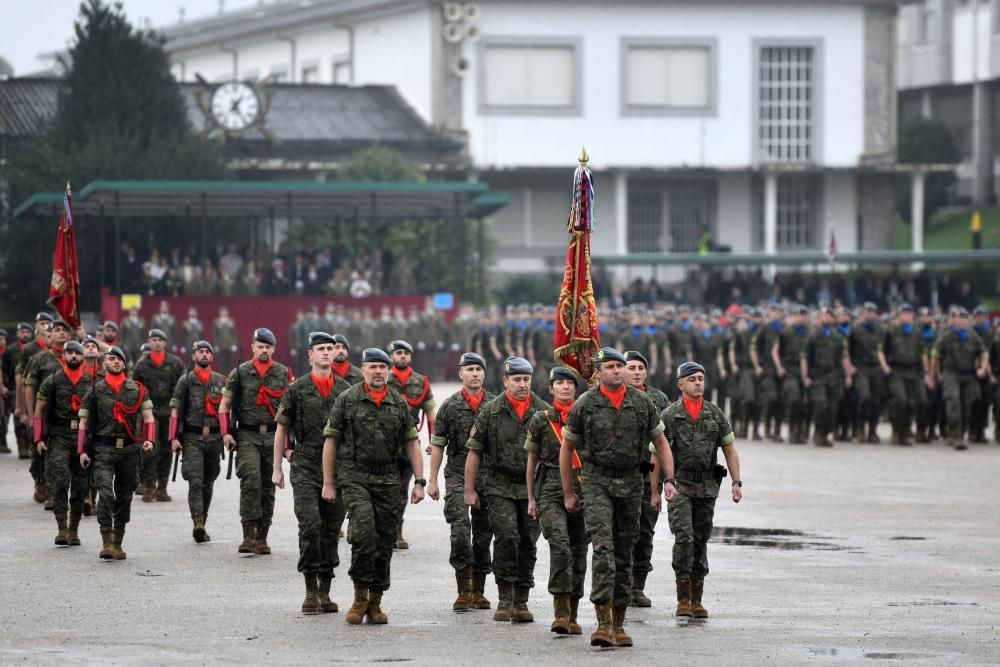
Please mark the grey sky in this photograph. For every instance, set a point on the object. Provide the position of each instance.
(28, 29)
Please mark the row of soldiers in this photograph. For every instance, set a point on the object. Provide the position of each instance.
(350, 456)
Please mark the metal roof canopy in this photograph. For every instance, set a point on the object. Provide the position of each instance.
(815, 257)
(303, 199)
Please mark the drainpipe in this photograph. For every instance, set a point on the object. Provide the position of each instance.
(349, 29)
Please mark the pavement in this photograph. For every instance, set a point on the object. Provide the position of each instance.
(835, 556)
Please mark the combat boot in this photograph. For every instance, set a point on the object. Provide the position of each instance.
(922, 435)
(88, 504)
(464, 599)
(375, 615)
(198, 532)
(479, 600)
(50, 503)
(39, 495)
(149, 492)
(776, 430)
(574, 627)
(894, 438)
(205, 536)
(756, 431)
(310, 605)
(4, 448)
(520, 612)
(141, 489)
(261, 548)
(561, 612)
(161, 492)
(618, 623)
(505, 592)
(639, 598)
(249, 543)
(116, 544)
(62, 538)
(873, 438)
(604, 635)
(683, 597)
(697, 610)
(22, 450)
(108, 550)
(359, 608)
(326, 605)
(821, 439)
(74, 524)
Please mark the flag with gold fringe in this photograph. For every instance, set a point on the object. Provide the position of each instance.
(64, 289)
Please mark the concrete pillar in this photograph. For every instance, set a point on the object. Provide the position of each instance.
(917, 211)
(926, 104)
(621, 224)
(982, 144)
(770, 220)
(529, 218)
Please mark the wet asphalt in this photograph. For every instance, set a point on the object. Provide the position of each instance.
(835, 556)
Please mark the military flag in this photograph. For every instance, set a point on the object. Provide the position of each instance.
(65, 286)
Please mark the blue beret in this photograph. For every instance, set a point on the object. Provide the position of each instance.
(375, 355)
(400, 345)
(263, 335)
(517, 366)
(609, 354)
(471, 359)
(632, 355)
(320, 338)
(157, 333)
(73, 346)
(689, 368)
(563, 373)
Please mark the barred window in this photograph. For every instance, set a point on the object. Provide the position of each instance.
(670, 218)
(645, 220)
(786, 105)
(798, 208)
(691, 207)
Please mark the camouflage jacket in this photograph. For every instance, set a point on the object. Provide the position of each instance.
(417, 393)
(865, 344)
(694, 445)
(825, 351)
(904, 351)
(305, 412)
(353, 375)
(194, 412)
(497, 435)
(63, 399)
(41, 366)
(243, 387)
(957, 355)
(452, 424)
(99, 408)
(160, 381)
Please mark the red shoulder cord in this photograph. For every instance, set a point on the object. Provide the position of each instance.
(122, 412)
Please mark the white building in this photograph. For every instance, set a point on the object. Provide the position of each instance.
(948, 69)
(762, 122)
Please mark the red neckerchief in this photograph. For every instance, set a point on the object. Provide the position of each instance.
(91, 368)
(56, 352)
(615, 398)
(41, 344)
(403, 375)
(520, 406)
(263, 368)
(693, 408)
(74, 376)
(204, 376)
(323, 385)
(158, 358)
(474, 401)
(377, 396)
(562, 409)
(116, 382)
(3, 350)
(265, 396)
(20, 345)
(341, 369)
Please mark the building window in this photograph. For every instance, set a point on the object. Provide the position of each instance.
(786, 106)
(645, 220)
(798, 208)
(691, 207)
(926, 18)
(310, 73)
(341, 70)
(533, 76)
(670, 218)
(668, 76)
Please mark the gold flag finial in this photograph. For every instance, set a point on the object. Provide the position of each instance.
(68, 191)
(584, 158)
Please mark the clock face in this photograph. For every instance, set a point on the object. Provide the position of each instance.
(235, 106)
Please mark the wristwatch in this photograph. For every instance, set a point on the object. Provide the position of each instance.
(421, 482)
(738, 482)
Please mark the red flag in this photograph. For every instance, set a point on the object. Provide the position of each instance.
(65, 286)
(577, 338)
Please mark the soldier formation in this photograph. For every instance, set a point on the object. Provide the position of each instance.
(582, 466)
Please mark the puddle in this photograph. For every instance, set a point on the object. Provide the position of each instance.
(906, 538)
(855, 653)
(773, 538)
(933, 603)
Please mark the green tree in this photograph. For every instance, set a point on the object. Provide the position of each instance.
(120, 115)
(925, 141)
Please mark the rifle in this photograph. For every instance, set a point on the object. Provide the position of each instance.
(177, 458)
(233, 405)
(181, 414)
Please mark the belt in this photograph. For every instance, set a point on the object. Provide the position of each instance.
(67, 424)
(257, 428)
(614, 473)
(694, 475)
(203, 431)
(511, 478)
(117, 443)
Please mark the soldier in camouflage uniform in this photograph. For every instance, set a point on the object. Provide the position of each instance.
(55, 426)
(961, 359)
(250, 402)
(642, 557)
(342, 366)
(869, 380)
(980, 414)
(566, 533)
(825, 369)
(416, 391)
(167, 323)
(193, 331)
(133, 333)
(994, 352)
(11, 361)
(786, 355)
(194, 416)
(119, 414)
(637, 337)
(470, 531)
(611, 427)
(928, 336)
(41, 365)
(497, 439)
(769, 384)
(696, 430)
(369, 425)
(303, 413)
(903, 360)
(159, 372)
(742, 380)
(224, 339)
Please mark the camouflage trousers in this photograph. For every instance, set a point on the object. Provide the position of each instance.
(319, 521)
(254, 461)
(514, 537)
(116, 474)
(869, 382)
(960, 391)
(743, 394)
(769, 396)
(642, 555)
(824, 398)
(568, 542)
(200, 468)
(64, 475)
(371, 532)
(613, 526)
(690, 520)
(908, 395)
(471, 534)
(405, 477)
(979, 415)
(794, 397)
(156, 465)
